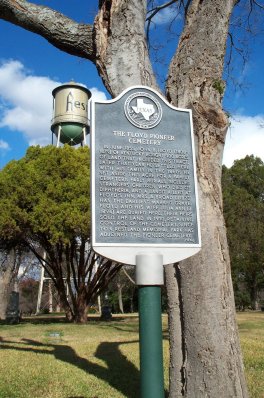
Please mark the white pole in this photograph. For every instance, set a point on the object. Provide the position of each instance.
(40, 286)
(84, 136)
(50, 297)
(58, 138)
(99, 303)
(67, 291)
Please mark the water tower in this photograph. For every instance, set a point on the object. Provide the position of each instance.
(70, 122)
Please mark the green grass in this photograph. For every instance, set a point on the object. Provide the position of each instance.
(60, 360)
(251, 331)
(98, 360)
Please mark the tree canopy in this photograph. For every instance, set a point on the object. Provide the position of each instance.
(45, 198)
(243, 194)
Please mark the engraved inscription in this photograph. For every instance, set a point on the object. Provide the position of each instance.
(145, 191)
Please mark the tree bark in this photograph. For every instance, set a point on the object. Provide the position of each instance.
(80, 314)
(211, 363)
(120, 298)
(60, 31)
(5, 290)
(80, 305)
(8, 274)
(177, 353)
(122, 56)
(50, 297)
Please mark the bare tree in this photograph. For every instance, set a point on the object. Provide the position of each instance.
(15, 264)
(10, 261)
(205, 352)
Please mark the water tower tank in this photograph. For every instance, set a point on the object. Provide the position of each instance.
(70, 113)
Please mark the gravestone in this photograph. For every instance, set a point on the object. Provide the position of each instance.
(12, 311)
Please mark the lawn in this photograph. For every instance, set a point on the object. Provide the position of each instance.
(60, 360)
(98, 360)
(251, 331)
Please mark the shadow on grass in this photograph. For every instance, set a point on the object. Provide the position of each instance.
(120, 372)
(37, 321)
(47, 319)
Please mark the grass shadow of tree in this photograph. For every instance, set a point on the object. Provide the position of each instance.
(120, 373)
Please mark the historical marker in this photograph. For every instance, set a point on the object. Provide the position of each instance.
(144, 194)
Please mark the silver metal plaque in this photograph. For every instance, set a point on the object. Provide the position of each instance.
(144, 195)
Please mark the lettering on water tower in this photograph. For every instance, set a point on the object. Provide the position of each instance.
(72, 104)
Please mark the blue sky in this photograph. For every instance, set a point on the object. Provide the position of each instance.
(30, 68)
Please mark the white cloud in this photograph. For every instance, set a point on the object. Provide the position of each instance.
(245, 137)
(4, 145)
(98, 95)
(26, 102)
(164, 16)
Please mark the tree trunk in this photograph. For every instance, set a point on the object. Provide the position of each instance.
(120, 298)
(8, 274)
(208, 356)
(80, 315)
(5, 290)
(253, 292)
(121, 51)
(50, 297)
(80, 307)
(177, 359)
(64, 300)
(68, 314)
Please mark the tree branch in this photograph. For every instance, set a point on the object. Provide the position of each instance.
(59, 30)
(128, 276)
(155, 10)
(257, 4)
(151, 14)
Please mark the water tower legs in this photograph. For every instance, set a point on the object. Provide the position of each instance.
(58, 137)
(84, 136)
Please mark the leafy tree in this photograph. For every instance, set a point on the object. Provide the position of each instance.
(243, 192)
(45, 199)
(204, 346)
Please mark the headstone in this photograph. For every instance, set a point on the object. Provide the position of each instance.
(12, 311)
(106, 309)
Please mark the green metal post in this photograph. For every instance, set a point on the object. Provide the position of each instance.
(150, 336)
